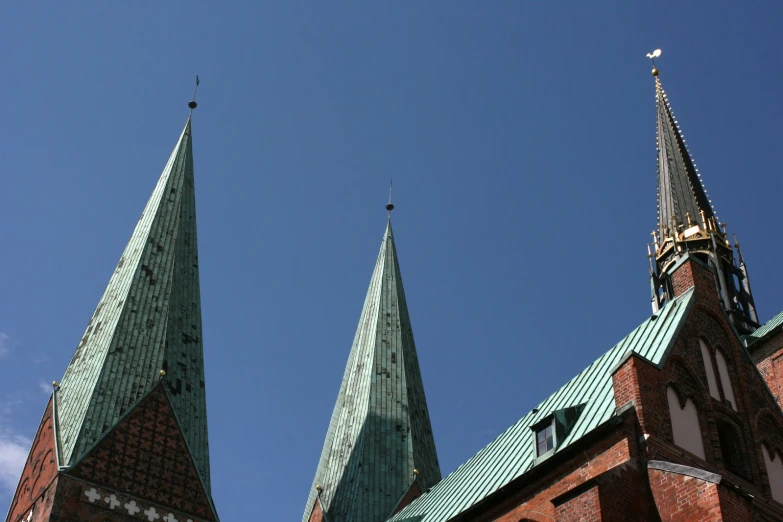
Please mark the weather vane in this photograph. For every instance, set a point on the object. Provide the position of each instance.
(192, 103)
(389, 206)
(652, 56)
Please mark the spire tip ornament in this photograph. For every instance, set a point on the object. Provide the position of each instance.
(389, 205)
(652, 56)
(192, 103)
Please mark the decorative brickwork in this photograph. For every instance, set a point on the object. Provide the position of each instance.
(39, 471)
(146, 456)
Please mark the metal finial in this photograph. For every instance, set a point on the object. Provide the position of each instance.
(389, 205)
(192, 103)
(652, 56)
(55, 384)
(162, 373)
(318, 488)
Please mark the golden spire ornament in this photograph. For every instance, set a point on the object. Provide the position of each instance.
(652, 56)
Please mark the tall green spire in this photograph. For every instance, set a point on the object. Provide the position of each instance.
(380, 430)
(147, 323)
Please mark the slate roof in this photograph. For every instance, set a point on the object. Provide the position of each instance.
(380, 429)
(680, 189)
(148, 319)
(513, 453)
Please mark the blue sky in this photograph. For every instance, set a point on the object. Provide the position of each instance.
(521, 139)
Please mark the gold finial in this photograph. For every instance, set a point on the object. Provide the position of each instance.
(55, 384)
(389, 206)
(163, 373)
(688, 217)
(652, 56)
(318, 488)
(192, 103)
(415, 472)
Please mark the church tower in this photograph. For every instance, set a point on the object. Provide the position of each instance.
(124, 436)
(379, 451)
(687, 223)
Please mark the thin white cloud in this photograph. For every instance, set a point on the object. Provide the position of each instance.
(13, 453)
(46, 387)
(5, 344)
(13, 449)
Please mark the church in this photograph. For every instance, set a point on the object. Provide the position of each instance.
(680, 420)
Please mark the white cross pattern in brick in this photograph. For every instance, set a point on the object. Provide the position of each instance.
(152, 514)
(170, 518)
(132, 507)
(92, 494)
(112, 501)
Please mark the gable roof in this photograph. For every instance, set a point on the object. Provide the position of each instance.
(513, 453)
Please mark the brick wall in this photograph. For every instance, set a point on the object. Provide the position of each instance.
(681, 498)
(606, 471)
(585, 507)
(768, 356)
(39, 471)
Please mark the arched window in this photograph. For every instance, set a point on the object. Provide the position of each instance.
(728, 391)
(774, 464)
(711, 381)
(685, 424)
(732, 449)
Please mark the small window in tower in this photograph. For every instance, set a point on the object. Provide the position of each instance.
(545, 440)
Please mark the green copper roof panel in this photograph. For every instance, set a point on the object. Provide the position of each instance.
(764, 329)
(513, 453)
(148, 319)
(380, 429)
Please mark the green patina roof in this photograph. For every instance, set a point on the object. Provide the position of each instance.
(148, 319)
(380, 429)
(680, 189)
(764, 329)
(513, 453)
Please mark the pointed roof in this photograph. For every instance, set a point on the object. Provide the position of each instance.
(380, 429)
(680, 189)
(148, 320)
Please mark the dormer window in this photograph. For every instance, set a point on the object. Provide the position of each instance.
(545, 440)
(553, 429)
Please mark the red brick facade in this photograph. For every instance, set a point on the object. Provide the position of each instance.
(141, 470)
(633, 470)
(40, 469)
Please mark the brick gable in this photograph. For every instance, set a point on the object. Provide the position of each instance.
(146, 456)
